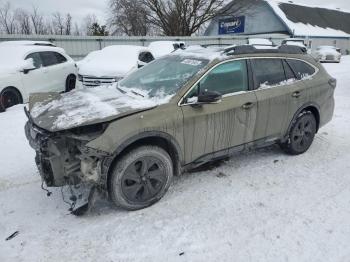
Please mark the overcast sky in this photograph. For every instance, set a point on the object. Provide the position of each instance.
(80, 8)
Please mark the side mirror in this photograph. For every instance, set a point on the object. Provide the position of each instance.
(207, 97)
(140, 64)
(27, 70)
(27, 66)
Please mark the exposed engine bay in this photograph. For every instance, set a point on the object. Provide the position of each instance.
(63, 160)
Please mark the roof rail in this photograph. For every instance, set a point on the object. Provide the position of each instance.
(250, 49)
(215, 45)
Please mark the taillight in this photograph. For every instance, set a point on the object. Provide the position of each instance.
(333, 82)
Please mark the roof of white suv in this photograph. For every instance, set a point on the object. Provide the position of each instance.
(25, 43)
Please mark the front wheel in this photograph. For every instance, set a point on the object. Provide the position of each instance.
(301, 134)
(140, 178)
(70, 83)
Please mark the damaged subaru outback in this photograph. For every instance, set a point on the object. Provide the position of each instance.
(127, 141)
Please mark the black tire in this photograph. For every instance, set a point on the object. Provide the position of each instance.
(70, 82)
(140, 178)
(9, 97)
(301, 134)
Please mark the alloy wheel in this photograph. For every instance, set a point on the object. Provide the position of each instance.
(143, 179)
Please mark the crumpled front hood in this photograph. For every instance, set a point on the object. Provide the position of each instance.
(58, 112)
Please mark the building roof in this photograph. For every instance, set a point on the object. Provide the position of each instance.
(302, 20)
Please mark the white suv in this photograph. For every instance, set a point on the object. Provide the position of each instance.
(26, 69)
(111, 64)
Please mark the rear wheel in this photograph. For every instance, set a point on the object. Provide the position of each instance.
(301, 134)
(140, 178)
(9, 97)
(70, 83)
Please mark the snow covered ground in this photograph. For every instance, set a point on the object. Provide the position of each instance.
(258, 206)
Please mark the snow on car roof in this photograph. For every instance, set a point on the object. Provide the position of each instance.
(111, 61)
(327, 47)
(161, 48)
(200, 52)
(122, 48)
(259, 41)
(25, 42)
(294, 39)
(296, 43)
(311, 19)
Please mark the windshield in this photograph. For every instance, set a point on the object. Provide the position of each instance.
(164, 76)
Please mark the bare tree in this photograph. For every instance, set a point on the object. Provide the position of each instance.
(88, 21)
(128, 17)
(68, 24)
(33, 22)
(24, 22)
(76, 29)
(186, 17)
(58, 23)
(7, 19)
(37, 21)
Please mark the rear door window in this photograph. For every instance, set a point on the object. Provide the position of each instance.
(227, 78)
(268, 72)
(49, 58)
(300, 68)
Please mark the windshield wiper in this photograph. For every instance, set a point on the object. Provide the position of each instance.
(135, 93)
(131, 91)
(121, 90)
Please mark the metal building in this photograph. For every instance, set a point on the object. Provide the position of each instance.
(319, 25)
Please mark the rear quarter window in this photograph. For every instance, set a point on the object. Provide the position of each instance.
(288, 71)
(60, 58)
(301, 68)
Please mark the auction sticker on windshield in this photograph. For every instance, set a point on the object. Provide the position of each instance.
(191, 62)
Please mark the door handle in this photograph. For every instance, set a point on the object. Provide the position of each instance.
(248, 105)
(296, 94)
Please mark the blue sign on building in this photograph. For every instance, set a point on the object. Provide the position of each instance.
(232, 25)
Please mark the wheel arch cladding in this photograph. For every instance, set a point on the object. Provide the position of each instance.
(71, 75)
(315, 111)
(313, 108)
(68, 78)
(163, 140)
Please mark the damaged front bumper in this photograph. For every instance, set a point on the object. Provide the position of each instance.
(63, 159)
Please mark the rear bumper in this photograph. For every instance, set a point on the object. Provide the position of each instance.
(329, 59)
(327, 109)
